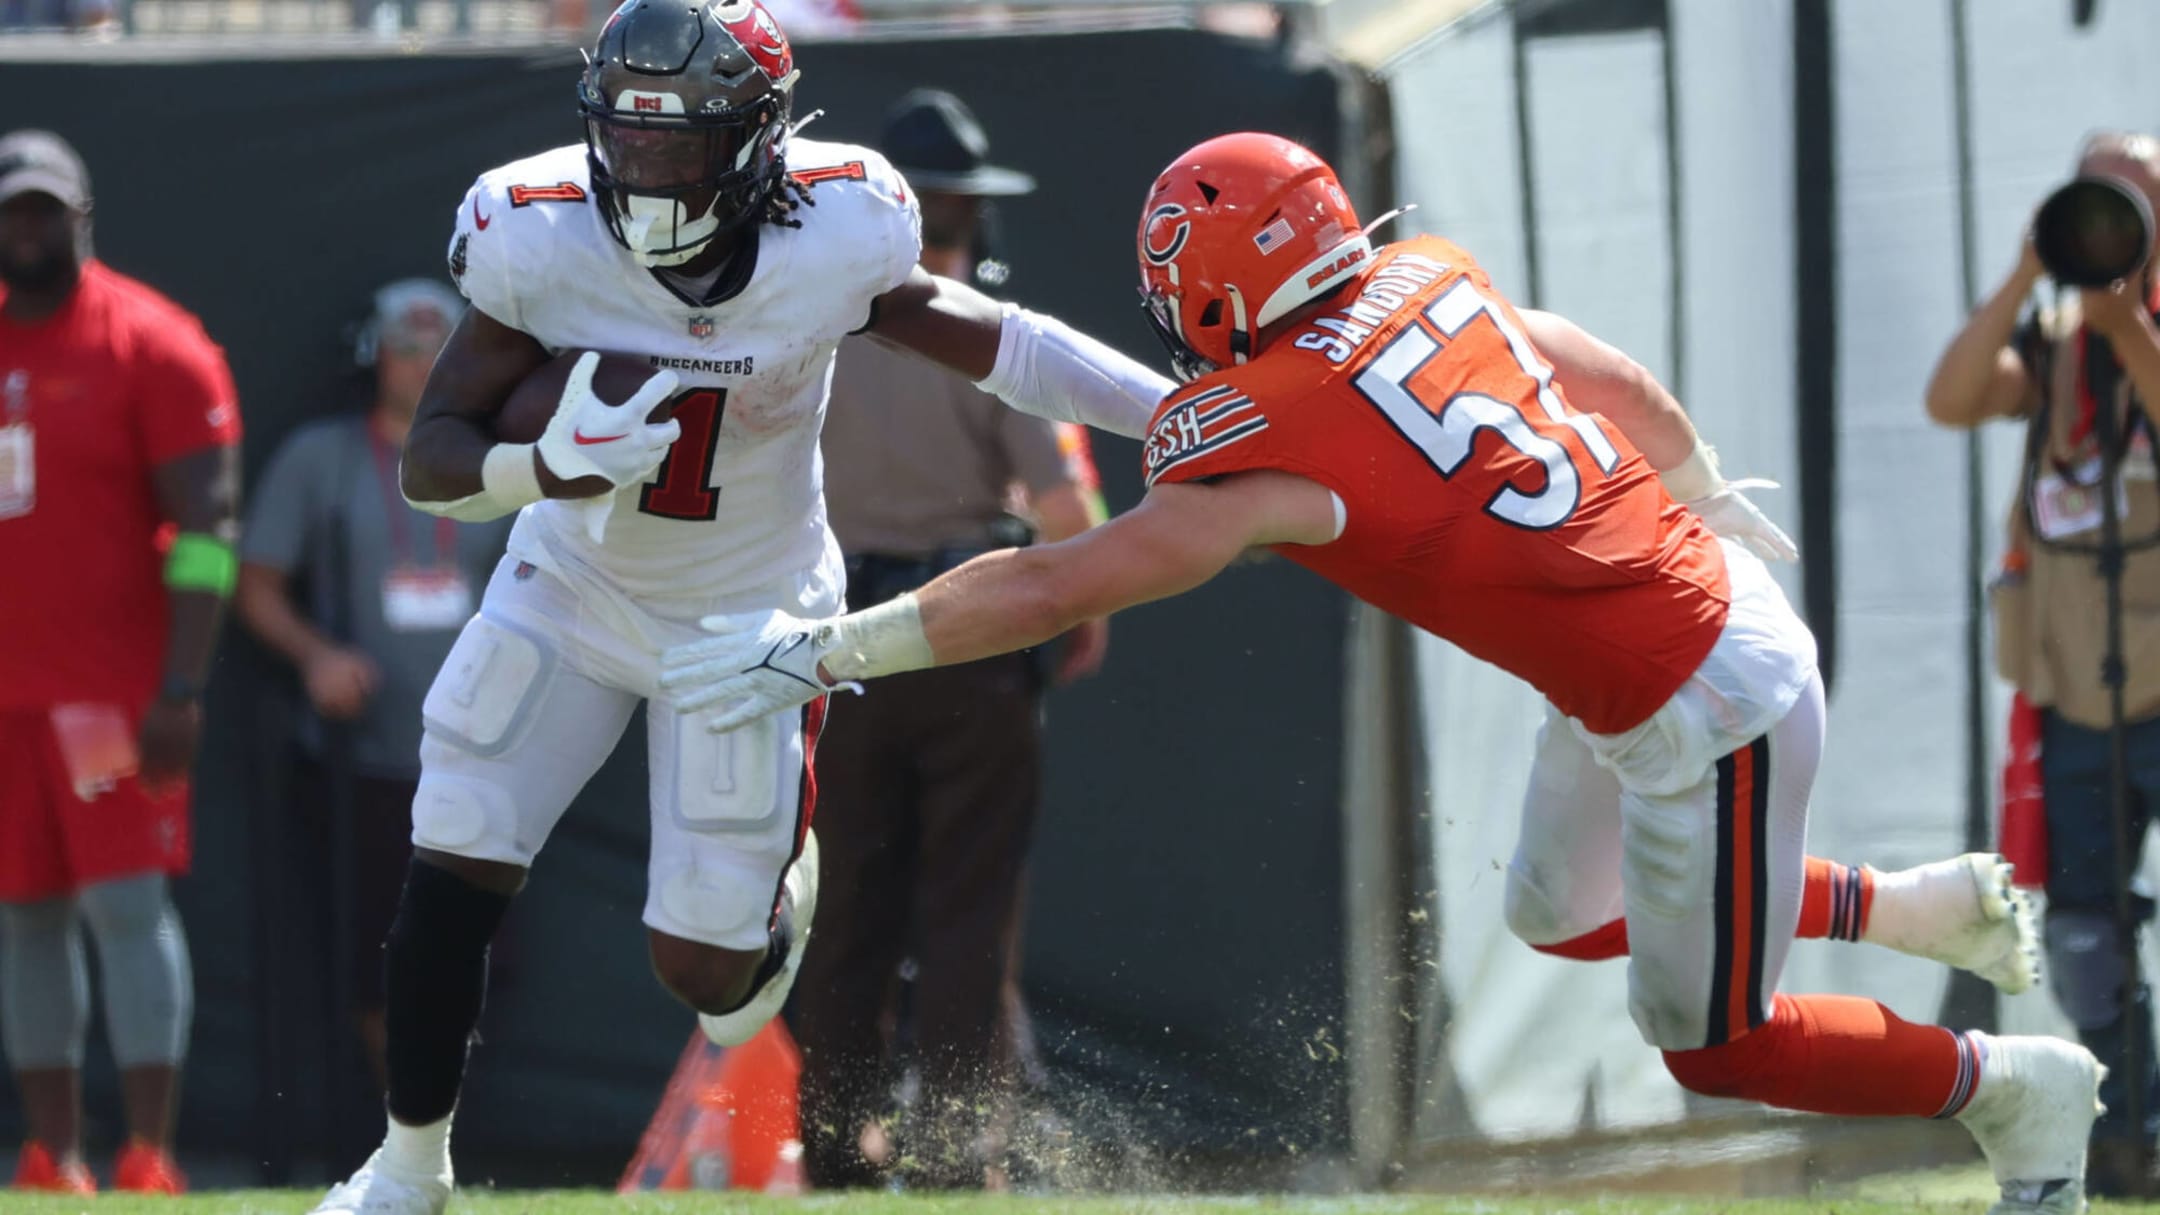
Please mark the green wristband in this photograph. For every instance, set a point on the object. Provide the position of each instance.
(200, 562)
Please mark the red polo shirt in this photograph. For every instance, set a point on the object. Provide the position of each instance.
(117, 382)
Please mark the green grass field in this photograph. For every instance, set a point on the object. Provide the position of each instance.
(1962, 1191)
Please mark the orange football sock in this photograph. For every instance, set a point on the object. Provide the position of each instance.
(1834, 904)
(1839, 1055)
(1835, 901)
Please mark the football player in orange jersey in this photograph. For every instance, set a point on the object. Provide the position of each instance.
(1506, 481)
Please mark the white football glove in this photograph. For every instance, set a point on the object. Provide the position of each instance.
(1728, 512)
(756, 664)
(588, 437)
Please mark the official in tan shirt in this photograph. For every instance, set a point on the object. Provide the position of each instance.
(929, 783)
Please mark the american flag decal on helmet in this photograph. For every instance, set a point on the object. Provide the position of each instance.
(1207, 423)
(1272, 237)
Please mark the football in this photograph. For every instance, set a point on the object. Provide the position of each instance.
(525, 416)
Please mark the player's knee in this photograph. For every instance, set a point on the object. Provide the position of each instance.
(2085, 966)
(708, 978)
(1744, 1069)
(1664, 1001)
(458, 818)
(130, 908)
(1733, 1069)
(494, 877)
(1530, 913)
(1549, 923)
(722, 901)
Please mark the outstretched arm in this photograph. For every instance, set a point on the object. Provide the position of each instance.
(1034, 363)
(1176, 539)
(1061, 512)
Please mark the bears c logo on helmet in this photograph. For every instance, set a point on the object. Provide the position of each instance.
(1165, 234)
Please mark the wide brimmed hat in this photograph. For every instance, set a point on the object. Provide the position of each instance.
(936, 143)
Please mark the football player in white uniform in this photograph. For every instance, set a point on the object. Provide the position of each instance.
(692, 231)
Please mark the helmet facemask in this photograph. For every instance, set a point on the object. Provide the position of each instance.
(1163, 307)
(670, 183)
(1162, 313)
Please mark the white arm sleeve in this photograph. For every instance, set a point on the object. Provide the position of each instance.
(1047, 368)
(508, 484)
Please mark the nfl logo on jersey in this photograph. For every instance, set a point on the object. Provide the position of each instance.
(701, 327)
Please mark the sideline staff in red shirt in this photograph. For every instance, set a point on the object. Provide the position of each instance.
(119, 474)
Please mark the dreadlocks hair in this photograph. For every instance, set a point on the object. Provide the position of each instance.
(790, 195)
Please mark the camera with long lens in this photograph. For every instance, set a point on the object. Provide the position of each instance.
(2094, 231)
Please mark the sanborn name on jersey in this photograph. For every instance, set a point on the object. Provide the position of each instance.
(1337, 335)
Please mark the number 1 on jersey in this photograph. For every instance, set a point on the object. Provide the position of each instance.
(683, 487)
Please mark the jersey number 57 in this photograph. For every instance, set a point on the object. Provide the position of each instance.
(1445, 432)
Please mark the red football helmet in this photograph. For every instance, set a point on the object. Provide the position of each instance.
(1237, 233)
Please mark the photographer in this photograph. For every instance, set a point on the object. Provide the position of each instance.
(2051, 602)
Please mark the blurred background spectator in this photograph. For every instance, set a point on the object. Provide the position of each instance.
(363, 596)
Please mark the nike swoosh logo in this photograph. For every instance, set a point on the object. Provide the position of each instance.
(479, 221)
(788, 645)
(582, 439)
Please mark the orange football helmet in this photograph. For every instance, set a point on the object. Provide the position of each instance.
(1237, 233)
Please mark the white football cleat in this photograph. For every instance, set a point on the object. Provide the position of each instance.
(2032, 1113)
(1963, 912)
(375, 1190)
(799, 893)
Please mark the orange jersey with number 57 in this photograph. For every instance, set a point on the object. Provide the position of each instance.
(1480, 506)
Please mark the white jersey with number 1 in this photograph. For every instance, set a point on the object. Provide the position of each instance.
(735, 519)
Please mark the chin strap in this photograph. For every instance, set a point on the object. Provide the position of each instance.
(1241, 335)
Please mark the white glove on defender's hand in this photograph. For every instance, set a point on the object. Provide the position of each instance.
(759, 663)
(1729, 513)
(588, 437)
